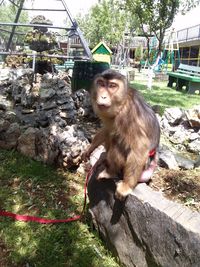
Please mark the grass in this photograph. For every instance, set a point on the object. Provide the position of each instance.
(29, 187)
(166, 97)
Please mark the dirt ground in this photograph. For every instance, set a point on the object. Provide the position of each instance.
(182, 186)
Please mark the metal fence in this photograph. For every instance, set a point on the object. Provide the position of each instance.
(189, 34)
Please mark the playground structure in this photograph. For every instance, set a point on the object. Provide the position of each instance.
(165, 60)
(69, 30)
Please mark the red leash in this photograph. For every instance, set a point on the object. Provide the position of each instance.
(27, 218)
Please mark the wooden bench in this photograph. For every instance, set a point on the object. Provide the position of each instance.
(185, 75)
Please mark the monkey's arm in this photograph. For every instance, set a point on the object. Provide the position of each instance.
(98, 140)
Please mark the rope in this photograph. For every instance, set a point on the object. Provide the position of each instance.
(27, 218)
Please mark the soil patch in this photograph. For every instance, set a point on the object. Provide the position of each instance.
(182, 186)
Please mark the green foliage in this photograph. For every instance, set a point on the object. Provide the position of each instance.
(156, 15)
(7, 14)
(40, 41)
(29, 187)
(139, 53)
(151, 55)
(106, 21)
(188, 5)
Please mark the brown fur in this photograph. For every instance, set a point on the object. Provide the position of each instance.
(130, 130)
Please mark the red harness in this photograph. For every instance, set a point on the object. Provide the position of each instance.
(152, 152)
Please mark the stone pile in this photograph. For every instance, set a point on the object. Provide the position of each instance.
(42, 119)
(182, 130)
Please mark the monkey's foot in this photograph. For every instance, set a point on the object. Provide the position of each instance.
(103, 175)
(122, 190)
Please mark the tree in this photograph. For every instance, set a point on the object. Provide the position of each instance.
(139, 53)
(155, 16)
(106, 21)
(188, 5)
(7, 14)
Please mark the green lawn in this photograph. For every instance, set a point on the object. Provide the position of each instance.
(166, 97)
(29, 187)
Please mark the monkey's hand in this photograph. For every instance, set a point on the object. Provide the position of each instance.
(122, 190)
(86, 155)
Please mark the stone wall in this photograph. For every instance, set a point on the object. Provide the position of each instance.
(42, 120)
(146, 230)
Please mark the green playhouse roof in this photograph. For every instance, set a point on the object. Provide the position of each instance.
(101, 48)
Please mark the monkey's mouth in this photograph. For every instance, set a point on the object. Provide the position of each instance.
(103, 107)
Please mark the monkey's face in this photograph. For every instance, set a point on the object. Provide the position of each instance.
(107, 96)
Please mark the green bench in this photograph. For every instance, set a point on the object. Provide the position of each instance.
(66, 66)
(185, 75)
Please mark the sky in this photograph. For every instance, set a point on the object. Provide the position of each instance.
(191, 18)
(74, 6)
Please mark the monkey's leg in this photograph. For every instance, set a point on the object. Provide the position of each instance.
(104, 175)
(101, 167)
(106, 171)
(149, 170)
(132, 173)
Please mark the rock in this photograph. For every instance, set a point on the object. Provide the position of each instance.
(61, 84)
(11, 116)
(146, 229)
(9, 138)
(4, 103)
(193, 116)
(194, 146)
(183, 163)
(27, 98)
(49, 105)
(179, 135)
(47, 146)
(27, 111)
(173, 115)
(167, 159)
(194, 136)
(96, 155)
(27, 143)
(46, 94)
(64, 91)
(62, 100)
(4, 125)
(83, 102)
(4, 74)
(197, 162)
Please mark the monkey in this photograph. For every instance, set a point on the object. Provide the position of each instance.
(130, 132)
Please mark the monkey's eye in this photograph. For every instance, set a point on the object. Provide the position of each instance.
(112, 86)
(101, 83)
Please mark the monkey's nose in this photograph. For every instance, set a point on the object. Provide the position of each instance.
(103, 97)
